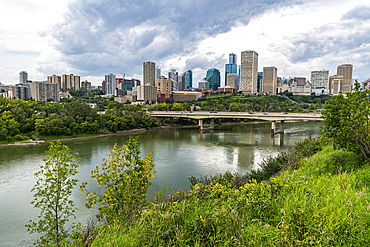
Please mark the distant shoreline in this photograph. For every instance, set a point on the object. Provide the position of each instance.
(133, 131)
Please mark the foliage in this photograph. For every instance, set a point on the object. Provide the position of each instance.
(53, 190)
(125, 179)
(21, 120)
(177, 107)
(307, 206)
(346, 121)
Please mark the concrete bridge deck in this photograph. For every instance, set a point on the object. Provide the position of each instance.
(272, 117)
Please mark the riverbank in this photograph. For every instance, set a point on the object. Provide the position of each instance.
(318, 200)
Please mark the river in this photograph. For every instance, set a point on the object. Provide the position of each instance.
(179, 154)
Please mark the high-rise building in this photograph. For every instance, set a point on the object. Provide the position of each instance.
(22, 91)
(269, 80)
(231, 67)
(149, 73)
(204, 85)
(335, 84)
(248, 72)
(110, 84)
(45, 90)
(55, 79)
(213, 77)
(70, 81)
(232, 80)
(182, 81)
(259, 81)
(345, 70)
(23, 77)
(164, 89)
(157, 74)
(86, 85)
(173, 75)
(320, 79)
(188, 79)
(232, 58)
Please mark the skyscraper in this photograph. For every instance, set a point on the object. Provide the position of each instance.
(231, 67)
(157, 74)
(70, 81)
(173, 76)
(345, 70)
(213, 77)
(259, 81)
(23, 77)
(55, 79)
(320, 79)
(248, 72)
(188, 79)
(182, 81)
(110, 84)
(269, 80)
(232, 58)
(149, 73)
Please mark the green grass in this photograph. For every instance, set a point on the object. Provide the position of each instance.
(319, 201)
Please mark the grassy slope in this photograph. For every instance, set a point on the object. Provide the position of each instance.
(322, 200)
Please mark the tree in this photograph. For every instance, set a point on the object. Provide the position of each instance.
(177, 107)
(346, 121)
(125, 180)
(53, 190)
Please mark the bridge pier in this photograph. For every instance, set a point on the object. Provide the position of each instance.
(273, 125)
(200, 124)
(212, 123)
(282, 126)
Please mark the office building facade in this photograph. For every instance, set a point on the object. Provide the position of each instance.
(320, 79)
(157, 74)
(269, 80)
(45, 90)
(232, 58)
(232, 80)
(188, 79)
(149, 73)
(248, 72)
(345, 70)
(259, 81)
(173, 75)
(231, 67)
(110, 84)
(213, 77)
(70, 81)
(23, 77)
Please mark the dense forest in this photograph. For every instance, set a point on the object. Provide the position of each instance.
(23, 120)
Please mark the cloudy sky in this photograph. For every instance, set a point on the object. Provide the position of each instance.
(92, 38)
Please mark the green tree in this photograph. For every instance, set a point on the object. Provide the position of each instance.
(125, 179)
(53, 190)
(177, 107)
(346, 121)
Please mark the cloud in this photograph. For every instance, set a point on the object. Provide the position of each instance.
(360, 12)
(338, 43)
(98, 37)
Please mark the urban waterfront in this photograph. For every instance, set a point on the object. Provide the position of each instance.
(179, 154)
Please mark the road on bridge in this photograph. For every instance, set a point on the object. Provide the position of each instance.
(267, 116)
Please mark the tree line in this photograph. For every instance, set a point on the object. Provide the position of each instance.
(23, 120)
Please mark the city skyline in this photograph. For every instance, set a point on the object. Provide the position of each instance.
(81, 39)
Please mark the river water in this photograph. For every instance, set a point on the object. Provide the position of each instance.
(179, 154)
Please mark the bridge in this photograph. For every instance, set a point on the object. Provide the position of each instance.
(272, 117)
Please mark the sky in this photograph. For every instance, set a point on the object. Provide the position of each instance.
(93, 38)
